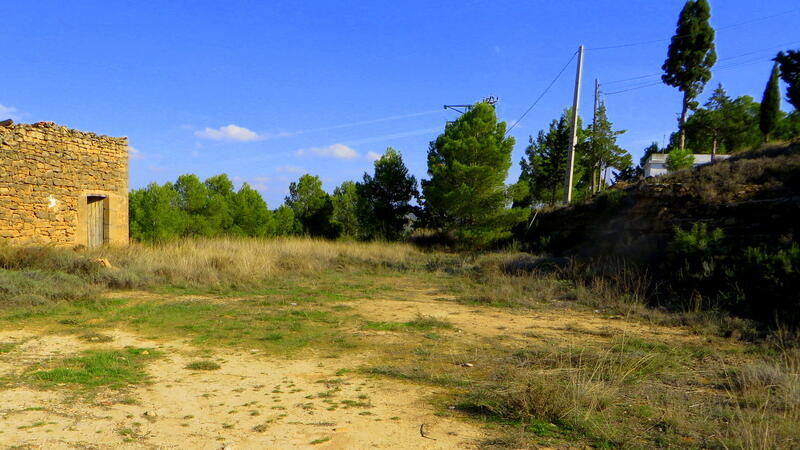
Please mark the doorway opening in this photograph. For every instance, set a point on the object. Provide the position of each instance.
(96, 221)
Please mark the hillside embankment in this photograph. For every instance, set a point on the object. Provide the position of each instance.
(717, 236)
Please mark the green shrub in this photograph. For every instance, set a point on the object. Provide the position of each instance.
(679, 159)
(706, 270)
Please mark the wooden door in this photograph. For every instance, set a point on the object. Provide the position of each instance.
(95, 214)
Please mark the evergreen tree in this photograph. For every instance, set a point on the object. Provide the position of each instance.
(312, 206)
(724, 125)
(154, 213)
(345, 209)
(468, 165)
(545, 164)
(285, 222)
(690, 57)
(384, 197)
(193, 197)
(251, 217)
(788, 127)
(769, 113)
(790, 74)
(218, 209)
(602, 151)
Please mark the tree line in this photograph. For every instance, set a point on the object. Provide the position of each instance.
(465, 197)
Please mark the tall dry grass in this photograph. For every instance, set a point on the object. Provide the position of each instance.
(203, 262)
(224, 263)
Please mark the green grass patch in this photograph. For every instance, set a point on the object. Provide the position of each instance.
(110, 368)
(6, 347)
(420, 323)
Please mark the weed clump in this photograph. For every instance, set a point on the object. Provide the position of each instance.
(203, 365)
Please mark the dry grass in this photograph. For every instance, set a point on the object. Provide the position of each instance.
(203, 262)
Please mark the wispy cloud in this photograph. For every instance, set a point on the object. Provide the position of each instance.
(8, 112)
(338, 151)
(372, 156)
(394, 136)
(134, 154)
(229, 133)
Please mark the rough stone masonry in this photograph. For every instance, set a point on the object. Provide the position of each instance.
(62, 186)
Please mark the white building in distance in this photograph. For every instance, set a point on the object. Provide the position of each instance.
(657, 163)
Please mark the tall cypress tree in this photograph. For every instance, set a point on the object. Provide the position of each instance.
(691, 55)
(468, 165)
(770, 105)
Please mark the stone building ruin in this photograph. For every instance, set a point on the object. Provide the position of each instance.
(62, 187)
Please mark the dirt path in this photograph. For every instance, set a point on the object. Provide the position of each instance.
(257, 401)
(563, 325)
(251, 402)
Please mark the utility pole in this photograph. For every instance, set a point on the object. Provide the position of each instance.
(574, 140)
(594, 136)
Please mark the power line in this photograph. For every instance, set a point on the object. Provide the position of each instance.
(716, 69)
(772, 48)
(653, 41)
(560, 72)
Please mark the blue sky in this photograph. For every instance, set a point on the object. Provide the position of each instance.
(266, 91)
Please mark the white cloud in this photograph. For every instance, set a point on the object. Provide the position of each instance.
(338, 151)
(134, 153)
(8, 112)
(291, 169)
(228, 133)
(372, 156)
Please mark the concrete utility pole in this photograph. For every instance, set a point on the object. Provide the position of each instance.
(594, 135)
(574, 140)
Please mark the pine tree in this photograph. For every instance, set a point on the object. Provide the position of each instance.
(602, 151)
(285, 222)
(251, 217)
(384, 197)
(545, 162)
(312, 206)
(468, 165)
(690, 57)
(769, 113)
(345, 209)
(790, 74)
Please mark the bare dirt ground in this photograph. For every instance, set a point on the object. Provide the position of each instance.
(257, 401)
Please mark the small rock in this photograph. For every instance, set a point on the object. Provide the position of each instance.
(145, 352)
(150, 414)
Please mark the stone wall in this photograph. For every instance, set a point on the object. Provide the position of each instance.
(47, 172)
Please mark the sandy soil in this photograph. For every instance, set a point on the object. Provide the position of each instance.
(255, 401)
(562, 325)
(252, 402)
